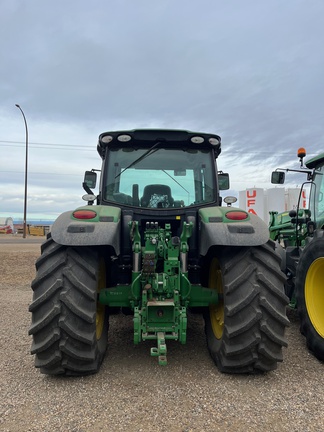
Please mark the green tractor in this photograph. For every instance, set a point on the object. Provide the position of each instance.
(156, 243)
(301, 233)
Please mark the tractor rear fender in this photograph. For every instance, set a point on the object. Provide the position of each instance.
(102, 229)
(217, 229)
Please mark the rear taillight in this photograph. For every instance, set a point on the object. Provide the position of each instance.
(84, 214)
(236, 215)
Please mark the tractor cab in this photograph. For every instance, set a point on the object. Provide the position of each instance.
(160, 170)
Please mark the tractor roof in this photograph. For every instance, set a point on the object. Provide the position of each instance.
(175, 138)
(317, 160)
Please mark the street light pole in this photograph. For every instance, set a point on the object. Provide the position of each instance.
(26, 166)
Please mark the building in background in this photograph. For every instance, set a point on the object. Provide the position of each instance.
(260, 201)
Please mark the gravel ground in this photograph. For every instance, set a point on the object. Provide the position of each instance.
(132, 393)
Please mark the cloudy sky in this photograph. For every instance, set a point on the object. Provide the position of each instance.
(251, 71)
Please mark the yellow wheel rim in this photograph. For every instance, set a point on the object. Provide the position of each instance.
(100, 313)
(216, 311)
(314, 295)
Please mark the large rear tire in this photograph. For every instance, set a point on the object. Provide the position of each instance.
(69, 327)
(310, 295)
(245, 331)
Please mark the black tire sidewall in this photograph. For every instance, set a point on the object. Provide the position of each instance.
(254, 310)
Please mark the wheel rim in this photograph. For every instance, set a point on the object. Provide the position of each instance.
(314, 295)
(216, 312)
(100, 312)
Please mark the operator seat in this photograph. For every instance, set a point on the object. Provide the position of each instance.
(157, 196)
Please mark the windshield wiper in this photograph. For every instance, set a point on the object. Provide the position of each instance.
(150, 151)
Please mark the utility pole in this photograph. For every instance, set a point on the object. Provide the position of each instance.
(26, 167)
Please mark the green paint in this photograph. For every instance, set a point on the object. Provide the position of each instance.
(160, 292)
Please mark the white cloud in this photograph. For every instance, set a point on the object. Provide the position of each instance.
(252, 72)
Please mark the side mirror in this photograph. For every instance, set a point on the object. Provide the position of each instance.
(223, 181)
(90, 179)
(278, 177)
